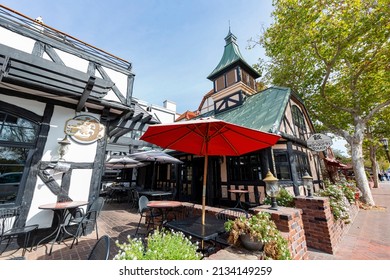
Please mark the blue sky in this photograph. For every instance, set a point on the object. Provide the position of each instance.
(173, 45)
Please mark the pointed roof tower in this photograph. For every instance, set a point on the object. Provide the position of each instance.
(231, 57)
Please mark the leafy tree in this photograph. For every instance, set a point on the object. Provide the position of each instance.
(377, 128)
(335, 54)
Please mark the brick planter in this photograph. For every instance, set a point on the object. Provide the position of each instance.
(289, 223)
(322, 231)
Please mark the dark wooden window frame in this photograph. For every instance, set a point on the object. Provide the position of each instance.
(18, 112)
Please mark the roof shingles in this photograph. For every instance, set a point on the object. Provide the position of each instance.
(263, 111)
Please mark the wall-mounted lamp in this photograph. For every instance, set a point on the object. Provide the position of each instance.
(272, 189)
(308, 184)
(63, 148)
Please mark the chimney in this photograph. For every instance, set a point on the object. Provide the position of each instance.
(170, 105)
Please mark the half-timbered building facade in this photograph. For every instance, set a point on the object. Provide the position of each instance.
(64, 105)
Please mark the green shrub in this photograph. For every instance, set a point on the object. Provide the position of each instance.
(160, 245)
(349, 189)
(339, 204)
(284, 198)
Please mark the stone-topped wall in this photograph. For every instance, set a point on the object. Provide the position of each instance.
(322, 231)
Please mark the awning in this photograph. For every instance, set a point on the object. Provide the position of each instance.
(334, 162)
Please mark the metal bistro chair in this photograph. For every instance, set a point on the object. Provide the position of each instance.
(9, 228)
(134, 197)
(101, 249)
(228, 214)
(89, 218)
(147, 213)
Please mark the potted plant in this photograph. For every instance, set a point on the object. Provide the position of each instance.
(262, 234)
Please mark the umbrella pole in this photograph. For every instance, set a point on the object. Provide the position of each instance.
(154, 174)
(206, 160)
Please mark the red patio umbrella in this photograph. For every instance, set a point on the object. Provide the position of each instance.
(208, 137)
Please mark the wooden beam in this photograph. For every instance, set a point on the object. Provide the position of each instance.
(66, 46)
(4, 68)
(53, 55)
(91, 68)
(42, 72)
(39, 49)
(121, 120)
(86, 93)
(129, 125)
(129, 93)
(114, 87)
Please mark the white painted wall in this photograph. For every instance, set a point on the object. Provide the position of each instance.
(16, 41)
(81, 178)
(31, 105)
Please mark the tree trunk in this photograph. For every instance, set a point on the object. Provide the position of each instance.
(360, 173)
(374, 165)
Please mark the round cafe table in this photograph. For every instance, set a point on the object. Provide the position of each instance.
(60, 210)
(238, 194)
(165, 206)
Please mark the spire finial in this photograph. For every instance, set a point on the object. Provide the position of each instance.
(229, 26)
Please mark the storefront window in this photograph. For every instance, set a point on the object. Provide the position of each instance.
(302, 164)
(17, 138)
(244, 168)
(282, 165)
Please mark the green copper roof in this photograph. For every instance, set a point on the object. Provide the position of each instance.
(231, 55)
(263, 111)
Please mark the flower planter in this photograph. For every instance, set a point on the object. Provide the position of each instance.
(251, 244)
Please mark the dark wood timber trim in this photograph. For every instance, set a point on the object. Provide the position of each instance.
(32, 164)
(86, 93)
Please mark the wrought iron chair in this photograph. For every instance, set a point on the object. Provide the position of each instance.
(101, 249)
(90, 217)
(145, 212)
(10, 228)
(228, 214)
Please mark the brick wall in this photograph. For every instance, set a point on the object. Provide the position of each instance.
(289, 223)
(322, 231)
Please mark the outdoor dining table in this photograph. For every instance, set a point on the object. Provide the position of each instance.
(60, 209)
(165, 206)
(238, 194)
(193, 226)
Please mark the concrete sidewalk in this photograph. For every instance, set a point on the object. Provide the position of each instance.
(367, 239)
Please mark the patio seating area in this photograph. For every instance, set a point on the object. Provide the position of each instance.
(119, 220)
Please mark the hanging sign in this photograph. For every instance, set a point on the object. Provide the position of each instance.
(84, 129)
(319, 142)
